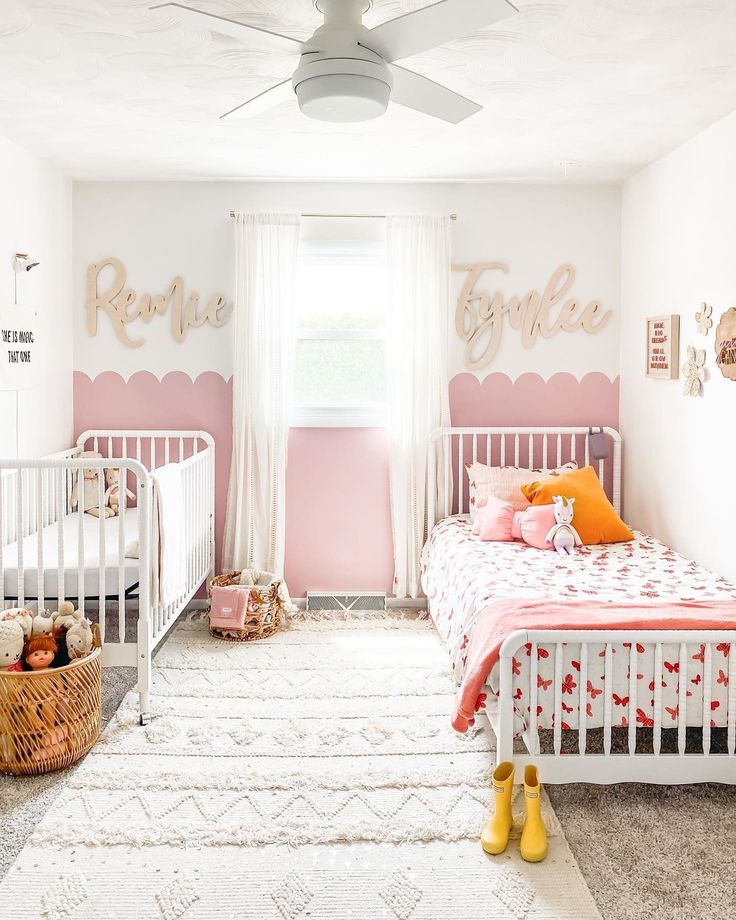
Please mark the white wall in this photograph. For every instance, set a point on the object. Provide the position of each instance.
(679, 249)
(163, 229)
(35, 217)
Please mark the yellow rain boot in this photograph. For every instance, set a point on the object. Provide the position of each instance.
(495, 834)
(533, 844)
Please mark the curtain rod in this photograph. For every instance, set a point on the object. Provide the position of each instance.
(371, 216)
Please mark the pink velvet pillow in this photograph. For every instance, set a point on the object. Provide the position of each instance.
(496, 520)
(534, 524)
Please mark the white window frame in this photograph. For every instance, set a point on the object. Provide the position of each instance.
(369, 415)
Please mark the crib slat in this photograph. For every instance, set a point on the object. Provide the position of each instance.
(181, 449)
(123, 499)
(167, 446)
(489, 449)
(153, 453)
(657, 731)
(475, 448)
(3, 496)
(530, 449)
(557, 733)
(707, 694)
(61, 510)
(544, 451)
(573, 448)
(607, 698)
(40, 572)
(583, 700)
(102, 567)
(559, 450)
(503, 450)
(731, 698)
(533, 695)
(460, 475)
(80, 545)
(21, 592)
(632, 698)
(682, 701)
(516, 450)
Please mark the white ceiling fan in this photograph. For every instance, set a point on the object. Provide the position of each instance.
(346, 72)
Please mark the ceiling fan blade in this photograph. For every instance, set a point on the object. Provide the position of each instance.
(435, 25)
(263, 102)
(251, 35)
(424, 95)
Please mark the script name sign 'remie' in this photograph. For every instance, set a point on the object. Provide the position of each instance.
(479, 317)
(123, 305)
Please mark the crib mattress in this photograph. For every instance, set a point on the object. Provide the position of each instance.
(93, 563)
(461, 575)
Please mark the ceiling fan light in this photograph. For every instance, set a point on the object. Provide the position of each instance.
(343, 97)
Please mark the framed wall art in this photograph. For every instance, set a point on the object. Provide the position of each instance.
(663, 347)
(726, 344)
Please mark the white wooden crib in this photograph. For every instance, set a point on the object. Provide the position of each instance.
(629, 754)
(109, 567)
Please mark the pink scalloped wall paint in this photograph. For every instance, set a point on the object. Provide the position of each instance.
(338, 524)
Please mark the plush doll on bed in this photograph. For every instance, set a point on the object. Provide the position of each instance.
(112, 493)
(562, 535)
(90, 488)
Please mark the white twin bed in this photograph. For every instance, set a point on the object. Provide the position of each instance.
(650, 705)
(133, 573)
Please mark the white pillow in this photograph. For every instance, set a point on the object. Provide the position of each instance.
(504, 483)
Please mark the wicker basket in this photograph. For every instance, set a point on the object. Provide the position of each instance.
(49, 719)
(268, 616)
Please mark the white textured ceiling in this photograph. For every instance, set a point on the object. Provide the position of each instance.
(108, 89)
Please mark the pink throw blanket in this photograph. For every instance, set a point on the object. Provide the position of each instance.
(502, 618)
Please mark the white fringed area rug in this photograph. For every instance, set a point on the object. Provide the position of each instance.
(310, 776)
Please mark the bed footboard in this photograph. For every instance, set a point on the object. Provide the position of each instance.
(646, 740)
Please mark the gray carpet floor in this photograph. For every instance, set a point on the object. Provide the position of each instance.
(646, 852)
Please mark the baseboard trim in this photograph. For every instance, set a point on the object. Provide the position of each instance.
(413, 603)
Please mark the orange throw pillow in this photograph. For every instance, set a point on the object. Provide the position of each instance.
(595, 517)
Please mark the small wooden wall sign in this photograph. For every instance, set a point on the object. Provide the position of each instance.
(479, 316)
(663, 347)
(726, 344)
(123, 305)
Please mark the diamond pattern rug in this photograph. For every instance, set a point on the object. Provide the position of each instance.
(311, 775)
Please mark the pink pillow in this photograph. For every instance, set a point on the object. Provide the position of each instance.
(534, 524)
(496, 521)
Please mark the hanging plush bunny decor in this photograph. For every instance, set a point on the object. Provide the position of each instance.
(563, 535)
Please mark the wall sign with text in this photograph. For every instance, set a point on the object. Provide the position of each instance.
(726, 344)
(663, 347)
(20, 362)
(107, 292)
(480, 315)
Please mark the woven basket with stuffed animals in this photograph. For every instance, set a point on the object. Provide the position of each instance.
(248, 605)
(50, 689)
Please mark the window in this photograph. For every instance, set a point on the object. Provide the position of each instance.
(340, 359)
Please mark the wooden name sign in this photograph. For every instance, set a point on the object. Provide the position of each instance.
(123, 305)
(479, 316)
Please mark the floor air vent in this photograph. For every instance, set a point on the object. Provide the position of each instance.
(325, 600)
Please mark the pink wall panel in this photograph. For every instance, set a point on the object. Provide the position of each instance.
(338, 521)
(338, 525)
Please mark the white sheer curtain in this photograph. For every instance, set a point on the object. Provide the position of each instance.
(266, 251)
(418, 260)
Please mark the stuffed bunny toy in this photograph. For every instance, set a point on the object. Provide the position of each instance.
(79, 640)
(43, 623)
(563, 535)
(112, 493)
(90, 488)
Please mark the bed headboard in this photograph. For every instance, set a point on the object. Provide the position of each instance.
(534, 448)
